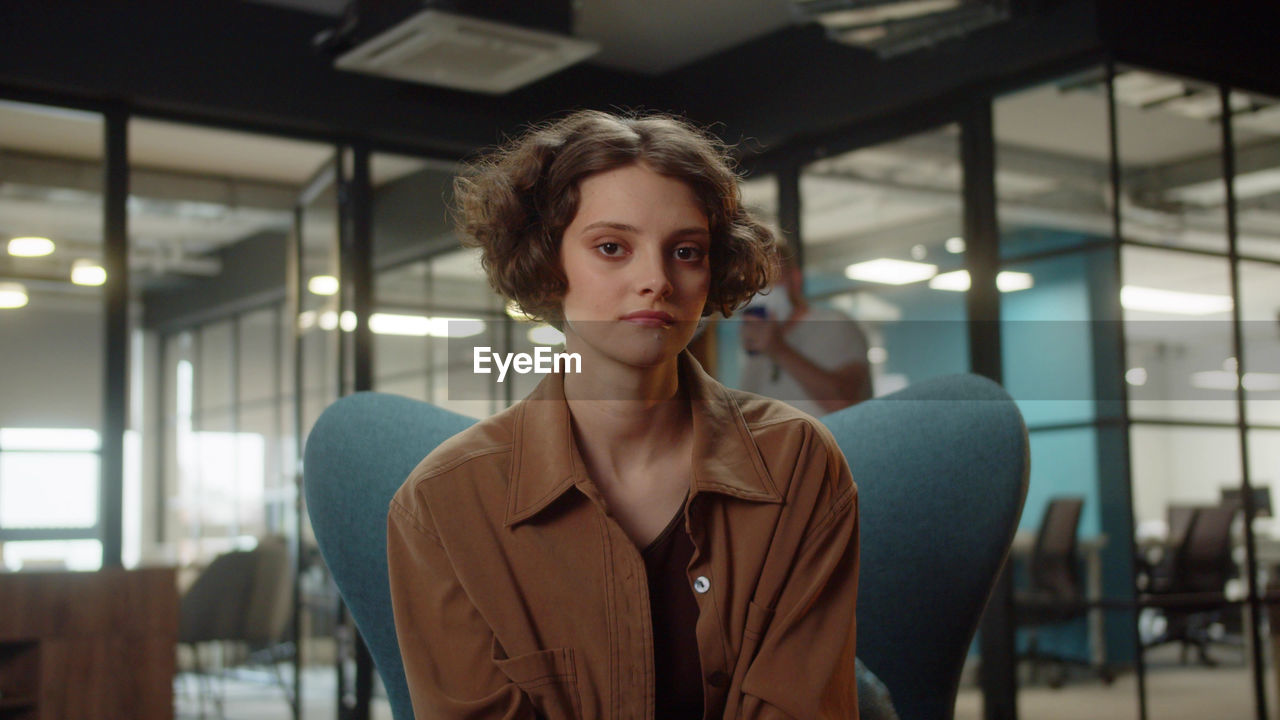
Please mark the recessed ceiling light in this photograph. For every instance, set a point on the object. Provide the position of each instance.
(955, 245)
(1136, 376)
(890, 272)
(12, 295)
(88, 272)
(323, 285)
(919, 252)
(30, 246)
(1013, 281)
(1172, 302)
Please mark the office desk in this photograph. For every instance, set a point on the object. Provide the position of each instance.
(1090, 548)
(88, 645)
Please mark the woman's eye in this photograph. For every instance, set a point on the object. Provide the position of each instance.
(612, 249)
(689, 252)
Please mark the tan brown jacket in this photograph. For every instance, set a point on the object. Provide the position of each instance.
(516, 595)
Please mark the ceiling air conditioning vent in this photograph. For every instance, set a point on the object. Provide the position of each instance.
(465, 53)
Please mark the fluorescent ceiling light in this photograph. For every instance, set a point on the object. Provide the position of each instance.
(1248, 185)
(88, 272)
(1172, 302)
(30, 246)
(12, 295)
(958, 281)
(546, 335)
(954, 281)
(49, 439)
(884, 13)
(1223, 380)
(323, 285)
(890, 272)
(422, 325)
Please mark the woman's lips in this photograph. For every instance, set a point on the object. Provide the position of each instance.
(649, 318)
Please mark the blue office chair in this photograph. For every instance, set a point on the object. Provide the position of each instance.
(941, 469)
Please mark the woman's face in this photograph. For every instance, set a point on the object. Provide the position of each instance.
(637, 260)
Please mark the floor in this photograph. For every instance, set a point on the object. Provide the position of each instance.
(1175, 692)
(255, 695)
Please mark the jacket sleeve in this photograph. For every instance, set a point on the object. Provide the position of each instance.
(446, 646)
(803, 667)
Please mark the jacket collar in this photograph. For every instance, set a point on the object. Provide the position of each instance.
(545, 462)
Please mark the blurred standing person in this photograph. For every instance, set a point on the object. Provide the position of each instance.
(813, 358)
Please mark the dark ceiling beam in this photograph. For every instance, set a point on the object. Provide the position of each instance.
(252, 66)
(787, 97)
(834, 98)
(1230, 42)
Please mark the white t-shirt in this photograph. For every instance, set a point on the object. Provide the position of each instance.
(827, 337)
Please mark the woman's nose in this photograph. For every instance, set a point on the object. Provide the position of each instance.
(653, 275)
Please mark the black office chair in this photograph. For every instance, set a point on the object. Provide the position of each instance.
(237, 612)
(1192, 598)
(1158, 567)
(1055, 593)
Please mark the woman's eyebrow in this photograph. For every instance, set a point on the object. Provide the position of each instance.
(696, 231)
(623, 227)
(611, 225)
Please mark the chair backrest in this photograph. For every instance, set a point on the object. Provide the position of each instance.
(1179, 518)
(1053, 560)
(941, 469)
(1206, 561)
(270, 604)
(242, 595)
(358, 454)
(214, 606)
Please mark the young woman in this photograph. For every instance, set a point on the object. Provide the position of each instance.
(634, 540)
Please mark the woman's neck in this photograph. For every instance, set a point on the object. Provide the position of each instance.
(624, 416)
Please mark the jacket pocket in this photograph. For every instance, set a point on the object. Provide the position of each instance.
(548, 677)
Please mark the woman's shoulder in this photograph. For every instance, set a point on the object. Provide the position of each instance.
(484, 443)
(767, 419)
(759, 411)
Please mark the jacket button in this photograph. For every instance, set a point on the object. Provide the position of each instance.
(718, 679)
(701, 584)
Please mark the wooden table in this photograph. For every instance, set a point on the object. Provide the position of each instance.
(88, 645)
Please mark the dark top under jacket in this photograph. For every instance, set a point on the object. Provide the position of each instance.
(677, 672)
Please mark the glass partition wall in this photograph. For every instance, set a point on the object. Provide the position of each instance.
(1114, 213)
(1141, 359)
(51, 337)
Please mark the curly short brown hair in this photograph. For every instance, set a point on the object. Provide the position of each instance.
(516, 202)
